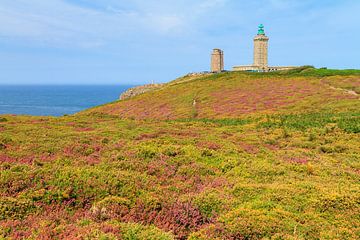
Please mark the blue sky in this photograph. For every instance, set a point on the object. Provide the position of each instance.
(137, 41)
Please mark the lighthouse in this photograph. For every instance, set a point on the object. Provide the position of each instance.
(217, 60)
(261, 49)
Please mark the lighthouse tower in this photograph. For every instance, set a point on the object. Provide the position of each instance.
(217, 60)
(261, 49)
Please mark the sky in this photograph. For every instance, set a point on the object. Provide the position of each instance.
(140, 41)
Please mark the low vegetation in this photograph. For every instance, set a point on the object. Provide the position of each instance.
(239, 94)
(283, 171)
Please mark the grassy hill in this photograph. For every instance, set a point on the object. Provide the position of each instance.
(236, 94)
(258, 156)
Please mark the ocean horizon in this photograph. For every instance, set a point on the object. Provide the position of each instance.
(55, 100)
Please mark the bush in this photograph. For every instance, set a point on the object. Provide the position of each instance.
(349, 122)
(86, 185)
(2, 146)
(209, 203)
(172, 151)
(181, 218)
(251, 224)
(133, 231)
(338, 202)
(99, 235)
(332, 149)
(6, 140)
(207, 153)
(312, 137)
(14, 208)
(110, 207)
(147, 152)
(2, 119)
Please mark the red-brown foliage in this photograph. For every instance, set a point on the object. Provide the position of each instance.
(179, 218)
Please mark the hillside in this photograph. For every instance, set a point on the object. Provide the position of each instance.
(224, 156)
(236, 94)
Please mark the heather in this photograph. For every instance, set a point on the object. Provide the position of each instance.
(240, 94)
(287, 168)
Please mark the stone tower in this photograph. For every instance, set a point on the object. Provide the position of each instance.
(217, 60)
(261, 49)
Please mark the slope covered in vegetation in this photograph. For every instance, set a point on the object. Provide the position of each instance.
(276, 157)
(236, 94)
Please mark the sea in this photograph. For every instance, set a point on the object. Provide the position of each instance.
(55, 100)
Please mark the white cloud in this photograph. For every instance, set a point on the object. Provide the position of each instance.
(61, 22)
(49, 21)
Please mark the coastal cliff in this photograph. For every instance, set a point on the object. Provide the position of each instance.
(138, 90)
(132, 92)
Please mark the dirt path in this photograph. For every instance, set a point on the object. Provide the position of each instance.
(351, 92)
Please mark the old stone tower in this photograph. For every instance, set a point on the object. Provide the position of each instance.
(217, 60)
(261, 49)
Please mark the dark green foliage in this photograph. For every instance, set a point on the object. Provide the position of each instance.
(310, 71)
(349, 122)
(304, 71)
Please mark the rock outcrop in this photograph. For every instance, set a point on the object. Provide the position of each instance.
(132, 92)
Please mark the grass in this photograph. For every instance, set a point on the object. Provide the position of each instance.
(348, 121)
(281, 173)
(238, 95)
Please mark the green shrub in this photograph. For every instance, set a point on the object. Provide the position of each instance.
(339, 203)
(252, 224)
(15, 178)
(312, 137)
(133, 231)
(36, 195)
(310, 71)
(99, 235)
(2, 119)
(332, 149)
(349, 122)
(13, 208)
(246, 193)
(88, 184)
(285, 133)
(206, 153)
(210, 203)
(147, 152)
(113, 200)
(111, 206)
(172, 151)
(6, 140)
(2, 146)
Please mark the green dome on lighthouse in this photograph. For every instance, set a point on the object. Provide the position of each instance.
(261, 30)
